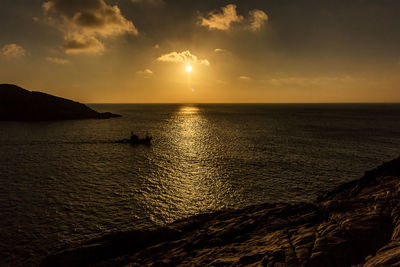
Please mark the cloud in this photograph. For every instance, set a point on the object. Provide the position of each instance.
(220, 50)
(57, 60)
(77, 44)
(221, 82)
(151, 2)
(83, 22)
(307, 82)
(183, 57)
(146, 72)
(12, 51)
(257, 19)
(221, 21)
(228, 15)
(244, 78)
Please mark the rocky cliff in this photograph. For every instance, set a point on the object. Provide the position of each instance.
(18, 104)
(357, 224)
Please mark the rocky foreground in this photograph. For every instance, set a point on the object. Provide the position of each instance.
(355, 224)
(18, 104)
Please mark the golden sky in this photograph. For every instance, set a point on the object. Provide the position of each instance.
(137, 51)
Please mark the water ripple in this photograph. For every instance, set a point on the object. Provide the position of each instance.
(66, 182)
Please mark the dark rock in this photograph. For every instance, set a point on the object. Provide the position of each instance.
(18, 104)
(355, 224)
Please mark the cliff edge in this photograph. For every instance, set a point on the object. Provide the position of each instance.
(18, 104)
(357, 224)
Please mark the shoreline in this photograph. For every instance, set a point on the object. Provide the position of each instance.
(356, 223)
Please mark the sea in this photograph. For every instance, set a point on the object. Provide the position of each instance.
(66, 182)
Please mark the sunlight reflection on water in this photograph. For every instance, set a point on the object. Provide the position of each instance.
(194, 183)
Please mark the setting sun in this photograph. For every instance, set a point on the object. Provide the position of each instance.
(189, 68)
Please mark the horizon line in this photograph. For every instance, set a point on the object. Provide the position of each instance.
(222, 103)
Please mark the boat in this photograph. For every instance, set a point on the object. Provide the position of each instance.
(135, 140)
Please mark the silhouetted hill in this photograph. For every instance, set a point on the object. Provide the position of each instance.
(18, 104)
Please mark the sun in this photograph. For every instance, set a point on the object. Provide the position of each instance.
(188, 68)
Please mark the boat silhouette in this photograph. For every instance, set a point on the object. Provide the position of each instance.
(135, 140)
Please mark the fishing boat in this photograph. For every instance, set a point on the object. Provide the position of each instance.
(135, 140)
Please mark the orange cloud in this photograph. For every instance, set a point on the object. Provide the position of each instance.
(183, 57)
(57, 60)
(257, 18)
(220, 50)
(244, 78)
(221, 21)
(13, 51)
(146, 72)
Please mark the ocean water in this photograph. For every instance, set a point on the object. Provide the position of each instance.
(64, 182)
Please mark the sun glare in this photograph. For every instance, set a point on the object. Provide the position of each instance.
(189, 68)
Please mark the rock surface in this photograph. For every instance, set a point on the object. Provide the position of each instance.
(357, 224)
(18, 104)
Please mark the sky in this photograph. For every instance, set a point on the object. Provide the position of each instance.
(248, 51)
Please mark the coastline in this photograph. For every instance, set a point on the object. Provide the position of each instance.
(355, 224)
(18, 104)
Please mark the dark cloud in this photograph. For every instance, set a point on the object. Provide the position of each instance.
(70, 8)
(84, 22)
(150, 2)
(82, 44)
